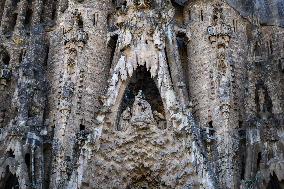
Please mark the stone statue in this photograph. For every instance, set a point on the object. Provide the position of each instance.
(141, 111)
(124, 119)
(5, 74)
(160, 119)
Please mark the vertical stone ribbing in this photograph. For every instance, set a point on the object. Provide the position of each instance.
(83, 79)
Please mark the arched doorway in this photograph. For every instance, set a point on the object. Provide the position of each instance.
(142, 81)
(10, 181)
(274, 183)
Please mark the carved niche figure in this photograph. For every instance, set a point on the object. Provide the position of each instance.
(141, 111)
(74, 31)
(67, 93)
(5, 75)
(124, 120)
(5, 71)
(263, 101)
(219, 32)
(160, 119)
(71, 61)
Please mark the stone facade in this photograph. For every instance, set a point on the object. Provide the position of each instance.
(141, 94)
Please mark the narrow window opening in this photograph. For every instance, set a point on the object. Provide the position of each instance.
(257, 50)
(11, 154)
(95, 19)
(46, 57)
(27, 159)
(6, 58)
(211, 129)
(112, 45)
(281, 65)
(167, 59)
(243, 170)
(47, 155)
(54, 10)
(240, 124)
(201, 15)
(82, 127)
(69, 166)
(28, 20)
(271, 47)
(182, 42)
(189, 15)
(80, 22)
(110, 23)
(13, 22)
(258, 161)
(28, 164)
(22, 55)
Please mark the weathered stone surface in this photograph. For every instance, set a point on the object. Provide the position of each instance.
(141, 94)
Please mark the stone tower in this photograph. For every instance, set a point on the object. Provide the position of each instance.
(141, 94)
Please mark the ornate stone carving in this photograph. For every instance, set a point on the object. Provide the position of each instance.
(5, 75)
(73, 31)
(141, 111)
(219, 32)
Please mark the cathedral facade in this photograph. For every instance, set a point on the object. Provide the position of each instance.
(141, 94)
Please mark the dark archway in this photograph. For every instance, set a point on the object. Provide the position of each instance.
(141, 80)
(274, 183)
(10, 181)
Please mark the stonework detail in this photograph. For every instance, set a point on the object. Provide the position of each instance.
(141, 94)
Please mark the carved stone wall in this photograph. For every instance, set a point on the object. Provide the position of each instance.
(141, 94)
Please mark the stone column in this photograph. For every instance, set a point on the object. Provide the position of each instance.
(2, 7)
(37, 10)
(6, 16)
(84, 70)
(22, 9)
(216, 71)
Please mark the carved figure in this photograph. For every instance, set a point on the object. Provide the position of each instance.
(124, 120)
(141, 111)
(5, 75)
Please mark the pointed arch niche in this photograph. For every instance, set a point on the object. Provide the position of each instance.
(141, 81)
(274, 182)
(9, 181)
